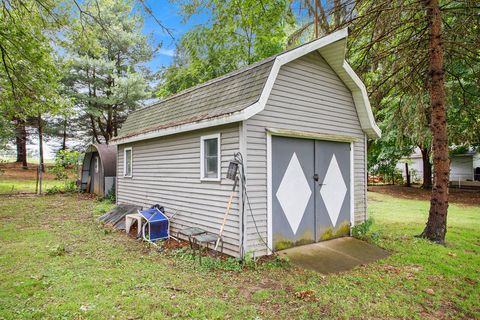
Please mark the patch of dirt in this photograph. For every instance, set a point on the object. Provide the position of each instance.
(459, 196)
(14, 170)
(171, 244)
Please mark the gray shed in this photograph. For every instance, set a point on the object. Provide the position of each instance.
(301, 120)
(99, 169)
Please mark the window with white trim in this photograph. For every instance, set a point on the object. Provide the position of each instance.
(127, 162)
(210, 157)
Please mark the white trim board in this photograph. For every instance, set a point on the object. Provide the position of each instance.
(269, 194)
(202, 157)
(125, 162)
(332, 48)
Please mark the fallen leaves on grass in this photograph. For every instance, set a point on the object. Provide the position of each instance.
(306, 295)
(429, 291)
(392, 269)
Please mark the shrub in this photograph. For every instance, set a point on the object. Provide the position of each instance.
(111, 196)
(54, 190)
(66, 162)
(360, 231)
(70, 186)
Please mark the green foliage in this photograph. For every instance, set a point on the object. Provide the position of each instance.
(276, 263)
(69, 186)
(103, 206)
(361, 231)
(208, 263)
(57, 251)
(6, 131)
(29, 74)
(237, 34)
(111, 196)
(66, 162)
(104, 73)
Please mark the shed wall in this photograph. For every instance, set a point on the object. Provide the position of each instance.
(166, 170)
(307, 96)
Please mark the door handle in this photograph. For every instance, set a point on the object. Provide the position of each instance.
(316, 177)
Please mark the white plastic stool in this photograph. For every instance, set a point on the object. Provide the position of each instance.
(129, 219)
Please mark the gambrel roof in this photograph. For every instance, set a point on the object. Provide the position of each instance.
(241, 94)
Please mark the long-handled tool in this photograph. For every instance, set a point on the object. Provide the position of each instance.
(220, 233)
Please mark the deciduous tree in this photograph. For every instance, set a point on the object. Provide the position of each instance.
(238, 33)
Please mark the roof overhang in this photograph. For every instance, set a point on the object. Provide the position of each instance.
(332, 48)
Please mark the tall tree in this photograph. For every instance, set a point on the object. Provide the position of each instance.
(106, 49)
(436, 227)
(397, 46)
(238, 33)
(28, 71)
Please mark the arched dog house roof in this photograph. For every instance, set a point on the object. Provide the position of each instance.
(101, 181)
(108, 156)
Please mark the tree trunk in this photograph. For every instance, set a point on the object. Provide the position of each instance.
(436, 227)
(427, 168)
(21, 142)
(407, 174)
(64, 141)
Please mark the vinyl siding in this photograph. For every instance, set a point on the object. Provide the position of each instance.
(167, 171)
(307, 96)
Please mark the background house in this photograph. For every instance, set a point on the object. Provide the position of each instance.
(464, 167)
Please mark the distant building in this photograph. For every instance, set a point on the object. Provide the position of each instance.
(464, 167)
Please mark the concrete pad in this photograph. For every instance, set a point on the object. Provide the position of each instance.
(335, 255)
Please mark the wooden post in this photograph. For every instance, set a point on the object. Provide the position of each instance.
(40, 151)
(36, 184)
(407, 173)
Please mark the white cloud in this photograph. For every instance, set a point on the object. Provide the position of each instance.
(166, 52)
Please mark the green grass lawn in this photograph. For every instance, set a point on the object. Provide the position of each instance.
(15, 186)
(57, 262)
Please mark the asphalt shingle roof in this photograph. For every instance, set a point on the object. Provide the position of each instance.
(220, 96)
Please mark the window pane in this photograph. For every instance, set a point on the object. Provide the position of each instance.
(211, 146)
(128, 162)
(211, 158)
(211, 167)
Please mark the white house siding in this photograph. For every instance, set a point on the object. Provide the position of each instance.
(461, 168)
(307, 96)
(476, 160)
(166, 170)
(415, 167)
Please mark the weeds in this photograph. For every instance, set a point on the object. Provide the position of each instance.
(102, 207)
(70, 186)
(57, 251)
(362, 231)
(209, 263)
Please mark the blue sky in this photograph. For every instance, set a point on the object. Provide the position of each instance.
(169, 15)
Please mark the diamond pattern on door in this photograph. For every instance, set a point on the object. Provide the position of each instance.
(333, 190)
(294, 193)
